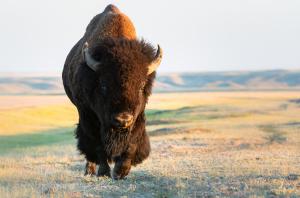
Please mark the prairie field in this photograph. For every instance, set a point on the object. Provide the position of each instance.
(204, 144)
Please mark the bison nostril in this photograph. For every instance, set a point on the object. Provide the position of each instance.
(122, 120)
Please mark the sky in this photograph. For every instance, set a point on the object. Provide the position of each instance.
(196, 35)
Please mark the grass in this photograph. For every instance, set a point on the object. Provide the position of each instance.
(36, 118)
(12, 143)
(203, 145)
(274, 134)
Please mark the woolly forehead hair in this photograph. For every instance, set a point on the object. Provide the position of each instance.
(131, 55)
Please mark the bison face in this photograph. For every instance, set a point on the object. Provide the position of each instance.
(122, 73)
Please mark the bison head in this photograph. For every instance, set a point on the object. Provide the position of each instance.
(120, 73)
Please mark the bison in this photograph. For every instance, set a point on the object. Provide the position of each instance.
(108, 76)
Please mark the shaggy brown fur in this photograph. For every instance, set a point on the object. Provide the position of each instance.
(120, 84)
(112, 23)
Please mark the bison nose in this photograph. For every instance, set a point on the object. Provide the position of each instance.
(123, 120)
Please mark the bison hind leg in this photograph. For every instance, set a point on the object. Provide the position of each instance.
(90, 168)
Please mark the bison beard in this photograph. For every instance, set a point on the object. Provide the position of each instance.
(116, 141)
(108, 76)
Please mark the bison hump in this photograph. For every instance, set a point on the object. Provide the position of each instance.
(112, 23)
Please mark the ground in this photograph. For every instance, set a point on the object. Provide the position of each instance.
(230, 144)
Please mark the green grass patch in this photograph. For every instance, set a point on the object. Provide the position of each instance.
(17, 142)
(193, 113)
(274, 134)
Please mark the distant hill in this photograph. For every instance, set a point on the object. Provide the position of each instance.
(30, 85)
(204, 81)
(230, 81)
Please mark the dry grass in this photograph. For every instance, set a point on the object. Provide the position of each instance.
(203, 145)
(34, 119)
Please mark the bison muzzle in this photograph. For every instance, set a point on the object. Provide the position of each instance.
(108, 76)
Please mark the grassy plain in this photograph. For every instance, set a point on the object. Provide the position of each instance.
(226, 144)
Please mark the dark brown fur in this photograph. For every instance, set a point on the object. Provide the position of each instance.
(121, 84)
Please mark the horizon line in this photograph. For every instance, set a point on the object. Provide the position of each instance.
(52, 73)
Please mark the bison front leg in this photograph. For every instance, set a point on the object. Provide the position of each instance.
(121, 169)
(104, 169)
(123, 163)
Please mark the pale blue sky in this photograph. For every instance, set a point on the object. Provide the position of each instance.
(209, 35)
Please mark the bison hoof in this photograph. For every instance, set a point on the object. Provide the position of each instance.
(122, 175)
(121, 170)
(90, 168)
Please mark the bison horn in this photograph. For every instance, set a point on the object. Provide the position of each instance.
(156, 62)
(92, 63)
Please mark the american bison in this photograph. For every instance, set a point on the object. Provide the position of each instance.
(108, 76)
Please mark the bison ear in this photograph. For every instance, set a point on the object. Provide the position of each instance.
(156, 62)
(88, 59)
